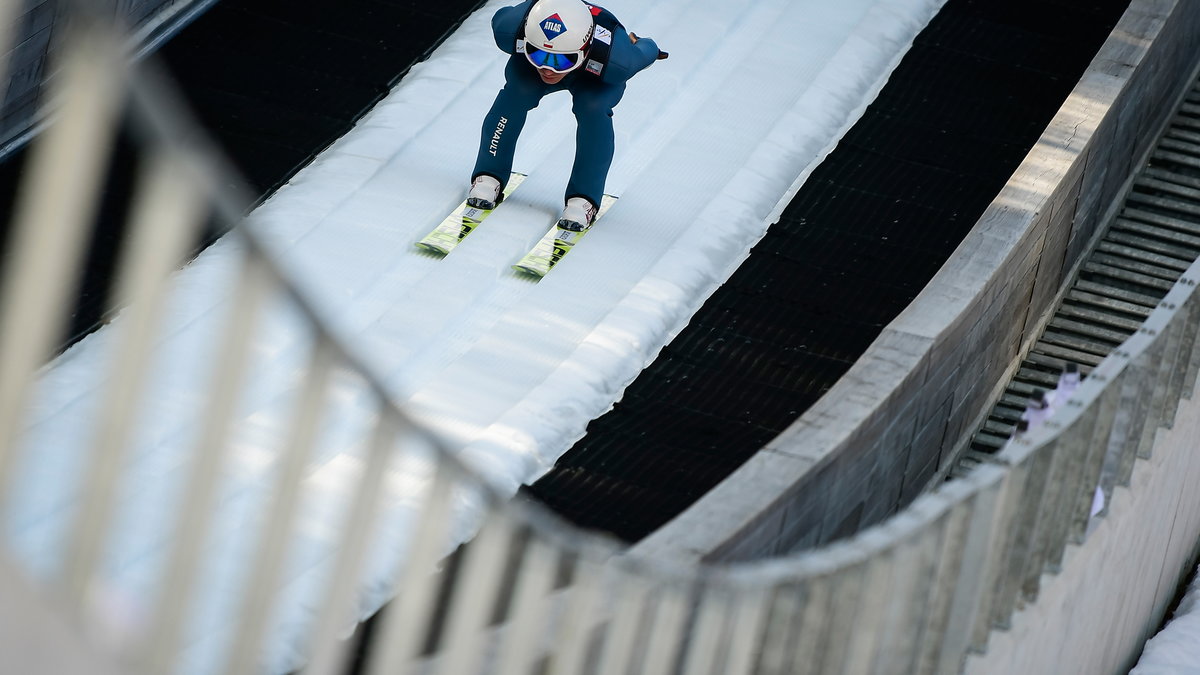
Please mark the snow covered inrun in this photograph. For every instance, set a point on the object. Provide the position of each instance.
(710, 145)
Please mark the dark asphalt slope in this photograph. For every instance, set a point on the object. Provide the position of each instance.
(863, 236)
(278, 81)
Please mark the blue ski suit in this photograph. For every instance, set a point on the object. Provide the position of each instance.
(593, 99)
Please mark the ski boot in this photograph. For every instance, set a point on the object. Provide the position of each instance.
(578, 215)
(485, 193)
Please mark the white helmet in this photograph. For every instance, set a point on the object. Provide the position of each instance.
(558, 33)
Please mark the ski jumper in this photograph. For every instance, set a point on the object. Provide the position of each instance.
(596, 87)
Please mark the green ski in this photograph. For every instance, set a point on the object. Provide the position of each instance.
(462, 222)
(556, 244)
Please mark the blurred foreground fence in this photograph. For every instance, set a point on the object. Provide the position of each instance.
(29, 30)
(528, 593)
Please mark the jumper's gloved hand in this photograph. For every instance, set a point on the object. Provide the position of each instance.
(661, 54)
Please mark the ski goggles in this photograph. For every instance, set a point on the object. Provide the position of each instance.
(559, 63)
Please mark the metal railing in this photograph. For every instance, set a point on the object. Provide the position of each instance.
(175, 197)
(528, 593)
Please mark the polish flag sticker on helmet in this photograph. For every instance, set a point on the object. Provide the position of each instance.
(553, 26)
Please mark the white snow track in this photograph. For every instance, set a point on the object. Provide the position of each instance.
(711, 143)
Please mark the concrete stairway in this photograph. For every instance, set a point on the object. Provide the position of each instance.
(1153, 239)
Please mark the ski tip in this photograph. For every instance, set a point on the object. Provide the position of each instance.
(530, 271)
(431, 248)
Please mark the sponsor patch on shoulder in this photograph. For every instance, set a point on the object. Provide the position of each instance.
(603, 35)
(594, 67)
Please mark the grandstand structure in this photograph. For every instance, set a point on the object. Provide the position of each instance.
(791, 564)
